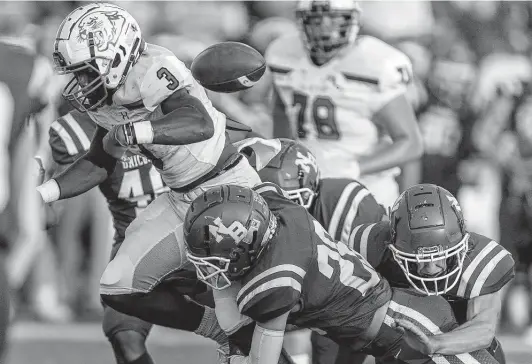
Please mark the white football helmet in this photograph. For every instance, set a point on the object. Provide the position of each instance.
(98, 44)
(328, 26)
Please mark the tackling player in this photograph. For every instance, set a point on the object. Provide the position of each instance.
(144, 100)
(292, 271)
(426, 246)
(344, 97)
(22, 93)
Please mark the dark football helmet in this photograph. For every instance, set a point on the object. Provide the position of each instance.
(295, 170)
(427, 226)
(328, 26)
(226, 229)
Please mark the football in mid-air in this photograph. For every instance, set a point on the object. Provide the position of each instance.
(228, 67)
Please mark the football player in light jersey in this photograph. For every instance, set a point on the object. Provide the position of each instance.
(144, 100)
(288, 269)
(344, 97)
(427, 247)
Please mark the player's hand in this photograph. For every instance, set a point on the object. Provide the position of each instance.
(416, 338)
(114, 142)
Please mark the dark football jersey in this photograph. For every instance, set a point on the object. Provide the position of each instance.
(344, 203)
(134, 183)
(487, 266)
(337, 290)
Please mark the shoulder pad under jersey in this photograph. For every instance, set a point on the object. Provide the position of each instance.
(487, 268)
(161, 73)
(371, 241)
(347, 203)
(70, 136)
(284, 53)
(374, 61)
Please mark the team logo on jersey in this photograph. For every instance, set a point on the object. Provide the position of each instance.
(105, 27)
(237, 231)
(305, 162)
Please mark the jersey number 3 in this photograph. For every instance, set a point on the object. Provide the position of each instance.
(355, 271)
(163, 72)
(323, 112)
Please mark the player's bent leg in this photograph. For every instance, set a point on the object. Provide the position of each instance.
(152, 250)
(127, 336)
(420, 310)
(324, 350)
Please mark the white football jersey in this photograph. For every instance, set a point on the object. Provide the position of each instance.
(331, 107)
(157, 74)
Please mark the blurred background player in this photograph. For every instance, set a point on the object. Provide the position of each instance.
(344, 97)
(22, 93)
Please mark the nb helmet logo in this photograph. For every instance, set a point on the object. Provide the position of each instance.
(236, 230)
(306, 161)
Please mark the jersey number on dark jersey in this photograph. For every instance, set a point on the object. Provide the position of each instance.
(355, 271)
(323, 112)
(132, 189)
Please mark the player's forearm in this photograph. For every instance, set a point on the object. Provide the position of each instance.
(78, 178)
(401, 151)
(466, 338)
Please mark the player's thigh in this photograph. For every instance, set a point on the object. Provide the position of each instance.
(115, 322)
(152, 249)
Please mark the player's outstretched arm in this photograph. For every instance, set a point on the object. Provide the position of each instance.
(267, 343)
(185, 121)
(397, 118)
(281, 123)
(87, 172)
(477, 333)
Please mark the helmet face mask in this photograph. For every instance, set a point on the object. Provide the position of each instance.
(212, 270)
(296, 171)
(97, 44)
(442, 283)
(429, 240)
(328, 26)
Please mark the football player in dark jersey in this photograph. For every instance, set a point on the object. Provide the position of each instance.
(288, 269)
(426, 246)
(133, 184)
(22, 93)
(339, 204)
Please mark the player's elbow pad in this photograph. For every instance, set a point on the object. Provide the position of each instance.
(188, 110)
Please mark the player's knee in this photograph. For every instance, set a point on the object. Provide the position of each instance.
(129, 345)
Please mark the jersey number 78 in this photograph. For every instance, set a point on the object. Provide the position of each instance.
(355, 271)
(322, 112)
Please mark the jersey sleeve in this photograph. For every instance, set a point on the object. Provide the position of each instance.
(69, 137)
(167, 75)
(271, 293)
(370, 240)
(396, 75)
(487, 268)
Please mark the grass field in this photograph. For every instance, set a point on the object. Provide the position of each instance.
(36, 343)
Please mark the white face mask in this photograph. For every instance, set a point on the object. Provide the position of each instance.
(432, 276)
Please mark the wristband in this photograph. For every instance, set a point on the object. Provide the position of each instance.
(142, 132)
(49, 191)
